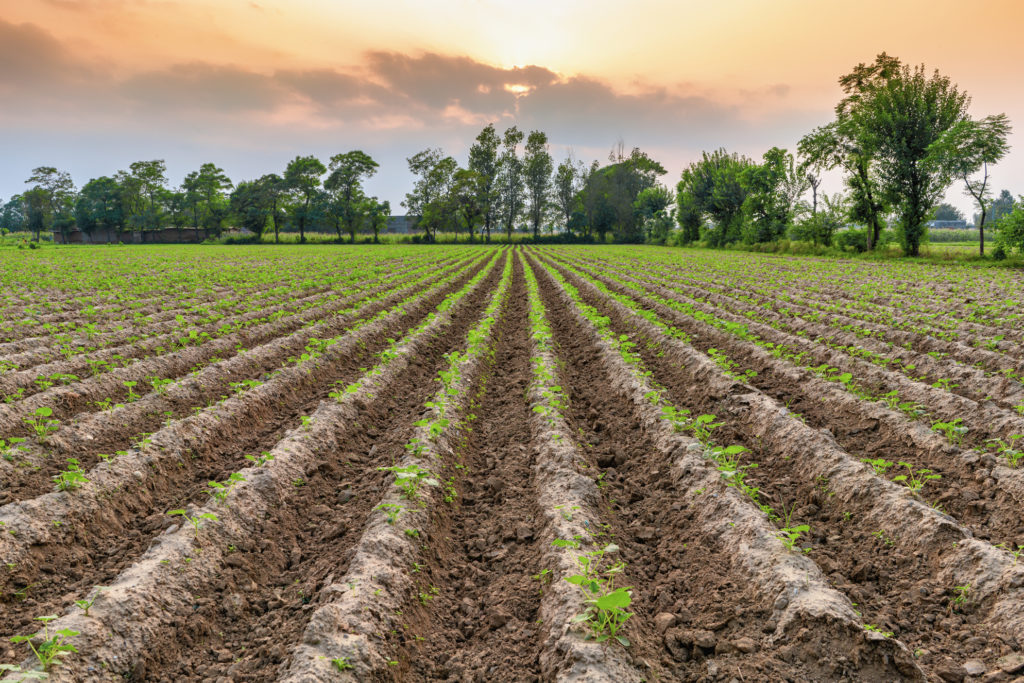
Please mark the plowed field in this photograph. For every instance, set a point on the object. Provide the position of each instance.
(508, 464)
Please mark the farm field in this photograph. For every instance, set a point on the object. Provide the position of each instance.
(455, 462)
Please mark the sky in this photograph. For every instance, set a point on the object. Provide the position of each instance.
(90, 86)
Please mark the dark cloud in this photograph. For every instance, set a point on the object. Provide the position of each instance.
(204, 87)
(33, 59)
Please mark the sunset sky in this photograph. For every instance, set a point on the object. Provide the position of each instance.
(91, 85)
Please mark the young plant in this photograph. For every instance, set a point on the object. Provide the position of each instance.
(47, 646)
(84, 605)
(261, 459)
(71, 478)
(410, 478)
(606, 613)
(915, 479)
(220, 491)
(392, 510)
(42, 423)
(132, 396)
(790, 536)
(879, 465)
(960, 596)
(195, 520)
(954, 430)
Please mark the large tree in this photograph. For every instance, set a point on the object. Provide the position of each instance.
(345, 183)
(50, 202)
(302, 179)
(430, 198)
(566, 190)
(206, 192)
(901, 122)
(768, 206)
(712, 188)
(484, 160)
(537, 168)
(12, 215)
(844, 144)
(146, 182)
(968, 148)
(99, 206)
(466, 200)
(511, 182)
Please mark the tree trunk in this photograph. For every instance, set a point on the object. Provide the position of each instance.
(981, 231)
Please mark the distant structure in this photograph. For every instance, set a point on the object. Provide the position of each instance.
(948, 225)
(401, 224)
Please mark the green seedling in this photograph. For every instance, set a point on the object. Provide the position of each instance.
(605, 614)
(86, 604)
(879, 465)
(71, 478)
(195, 520)
(961, 594)
(410, 478)
(1009, 450)
(915, 479)
(790, 536)
(954, 430)
(47, 646)
(341, 663)
(702, 427)
(261, 459)
(875, 629)
(132, 396)
(42, 423)
(392, 510)
(221, 491)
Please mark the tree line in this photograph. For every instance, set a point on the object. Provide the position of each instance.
(900, 137)
(308, 194)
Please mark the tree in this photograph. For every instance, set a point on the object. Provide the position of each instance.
(430, 198)
(901, 121)
(537, 168)
(147, 182)
(768, 207)
(1001, 206)
(99, 206)
(377, 214)
(651, 207)
(205, 192)
(947, 212)
(566, 190)
(712, 188)
(254, 203)
(968, 147)
(485, 162)
(302, 180)
(50, 202)
(466, 199)
(1010, 229)
(821, 226)
(511, 183)
(345, 183)
(843, 143)
(12, 215)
